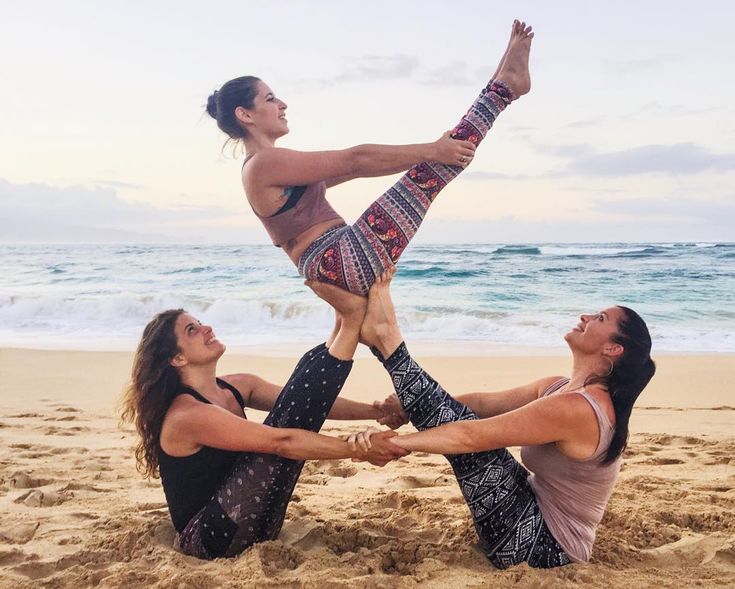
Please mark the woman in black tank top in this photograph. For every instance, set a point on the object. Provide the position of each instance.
(228, 480)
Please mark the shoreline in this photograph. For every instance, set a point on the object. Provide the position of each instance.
(448, 348)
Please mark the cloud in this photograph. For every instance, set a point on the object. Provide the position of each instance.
(370, 68)
(481, 176)
(118, 184)
(687, 209)
(637, 66)
(581, 123)
(564, 150)
(452, 74)
(682, 158)
(608, 220)
(676, 110)
(76, 213)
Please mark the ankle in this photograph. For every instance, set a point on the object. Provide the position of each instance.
(388, 340)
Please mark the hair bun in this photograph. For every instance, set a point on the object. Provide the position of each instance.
(212, 104)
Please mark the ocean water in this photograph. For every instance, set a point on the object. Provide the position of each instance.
(101, 296)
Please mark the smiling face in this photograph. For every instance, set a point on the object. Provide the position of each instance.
(197, 343)
(268, 115)
(593, 334)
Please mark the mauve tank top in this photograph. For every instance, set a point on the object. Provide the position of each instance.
(292, 220)
(572, 494)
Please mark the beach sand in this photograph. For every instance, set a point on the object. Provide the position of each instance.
(75, 513)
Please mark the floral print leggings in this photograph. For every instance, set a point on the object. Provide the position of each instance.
(351, 256)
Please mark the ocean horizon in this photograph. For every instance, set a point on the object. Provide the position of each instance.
(100, 296)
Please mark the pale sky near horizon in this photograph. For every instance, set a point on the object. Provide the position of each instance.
(628, 133)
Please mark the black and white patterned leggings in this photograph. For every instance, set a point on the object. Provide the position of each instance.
(495, 486)
(250, 504)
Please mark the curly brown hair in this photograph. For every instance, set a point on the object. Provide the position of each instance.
(153, 385)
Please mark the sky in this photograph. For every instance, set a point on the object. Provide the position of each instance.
(628, 133)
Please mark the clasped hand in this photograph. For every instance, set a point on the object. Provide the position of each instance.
(374, 446)
(392, 413)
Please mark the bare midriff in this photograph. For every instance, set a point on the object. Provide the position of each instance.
(297, 246)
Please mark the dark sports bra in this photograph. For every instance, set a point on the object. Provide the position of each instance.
(305, 207)
(292, 194)
(190, 481)
(223, 385)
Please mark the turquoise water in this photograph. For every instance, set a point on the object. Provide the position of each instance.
(101, 296)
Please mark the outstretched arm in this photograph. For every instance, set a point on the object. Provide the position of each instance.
(260, 394)
(287, 167)
(189, 425)
(559, 418)
(485, 404)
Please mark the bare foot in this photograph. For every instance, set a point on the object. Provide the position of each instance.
(502, 59)
(513, 67)
(380, 327)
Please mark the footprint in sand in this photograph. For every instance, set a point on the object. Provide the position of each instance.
(421, 481)
(334, 468)
(23, 446)
(392, 500)
(85, 487)
(692, 550)
(23, 480)
(38, 498)
(36, 570)
(75, 450)
(662, 460)
(14, 556)
(65, 431)
(19, 533)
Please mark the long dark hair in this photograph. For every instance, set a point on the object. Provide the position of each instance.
(222, 103)
(154, 384)
(629, 375)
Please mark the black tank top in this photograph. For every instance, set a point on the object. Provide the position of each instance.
(190, 481)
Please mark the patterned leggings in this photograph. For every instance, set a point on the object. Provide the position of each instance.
(503, 507)
(250, 503)
(352, 256)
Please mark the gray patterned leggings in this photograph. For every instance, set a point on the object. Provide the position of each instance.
(250, 504)
(495, 486)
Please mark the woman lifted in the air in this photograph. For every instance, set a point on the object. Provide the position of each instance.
(286, 188)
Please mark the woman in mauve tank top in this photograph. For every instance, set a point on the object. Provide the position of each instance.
(313, 235)
(572, 430)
